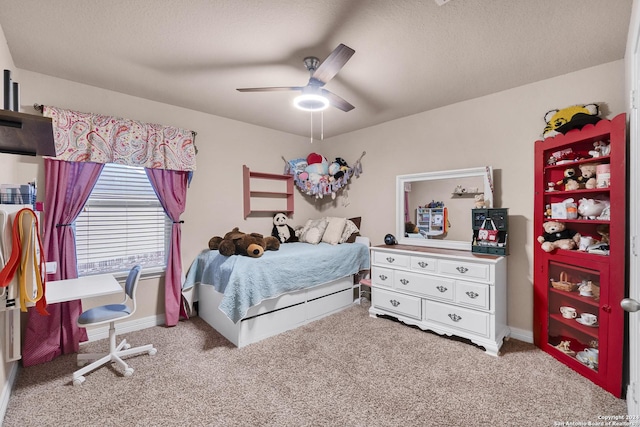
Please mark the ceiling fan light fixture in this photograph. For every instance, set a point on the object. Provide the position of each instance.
(311, 102)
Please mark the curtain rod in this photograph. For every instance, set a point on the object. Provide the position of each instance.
(40, 107)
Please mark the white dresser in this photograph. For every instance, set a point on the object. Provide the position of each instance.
(449, 292)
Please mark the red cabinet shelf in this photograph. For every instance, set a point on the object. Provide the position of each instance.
(605, 272)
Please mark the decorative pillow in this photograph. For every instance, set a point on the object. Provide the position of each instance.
(333, 233)
(350, 231)
(313, 231)
(356, 220)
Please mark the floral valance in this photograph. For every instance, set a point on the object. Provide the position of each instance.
(86, 137)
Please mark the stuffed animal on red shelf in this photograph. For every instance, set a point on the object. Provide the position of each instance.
(566, 119)
(588, 174)
(557, 236)
(570, 180)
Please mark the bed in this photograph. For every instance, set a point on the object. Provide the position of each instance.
(249, 299)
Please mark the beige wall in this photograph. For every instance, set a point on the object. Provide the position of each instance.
(497, 130)
(214, 203)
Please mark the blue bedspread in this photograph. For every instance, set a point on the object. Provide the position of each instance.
(246, 281)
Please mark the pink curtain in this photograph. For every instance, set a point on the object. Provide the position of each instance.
(407, 217)
(67, 186)
(171, 189)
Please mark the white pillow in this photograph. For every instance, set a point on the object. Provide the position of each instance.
(349, 229)
(313, 231)
(333, 233)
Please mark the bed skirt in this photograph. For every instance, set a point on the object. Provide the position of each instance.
(275, 315)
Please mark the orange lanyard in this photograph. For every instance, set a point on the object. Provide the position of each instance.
(27, 259)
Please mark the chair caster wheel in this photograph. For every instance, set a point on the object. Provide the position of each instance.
(128, 372)
(78, 381)
(153, 351)
(127, 346)
(81, 363)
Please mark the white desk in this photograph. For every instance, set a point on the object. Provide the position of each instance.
(82, 287)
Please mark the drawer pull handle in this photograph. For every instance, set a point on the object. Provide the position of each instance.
(455, 317)
(441, 288)
(404, 281)
(383, 277)
(472, 295)
(462, 269)
(390, 259)
(423, 264)
(394, 302)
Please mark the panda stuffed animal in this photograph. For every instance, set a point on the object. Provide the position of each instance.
(281, 230)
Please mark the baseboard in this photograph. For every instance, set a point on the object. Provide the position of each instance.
(102, 332)
(521, 334)
(6, 390)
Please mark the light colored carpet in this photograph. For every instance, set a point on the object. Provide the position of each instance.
(345, 370)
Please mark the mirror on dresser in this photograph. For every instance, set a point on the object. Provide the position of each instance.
(456, 189)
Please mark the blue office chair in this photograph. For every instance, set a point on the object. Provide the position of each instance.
(110, 314)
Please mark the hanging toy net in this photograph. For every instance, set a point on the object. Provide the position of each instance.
(316, 177)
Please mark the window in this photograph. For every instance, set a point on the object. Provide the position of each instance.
(122, 224)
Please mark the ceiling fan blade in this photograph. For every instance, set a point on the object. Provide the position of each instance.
(269, 89)
(336, 101)
(334, 62)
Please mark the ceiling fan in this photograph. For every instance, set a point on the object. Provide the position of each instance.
(314, 97)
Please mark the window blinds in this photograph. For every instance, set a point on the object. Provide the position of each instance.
(122, 224)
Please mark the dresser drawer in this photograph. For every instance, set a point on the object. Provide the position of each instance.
(395, 302)
(473, 294)
(382, 276)
(395, 260)
(432, 286)
(457, 317)
(464, 269)
(420, 263)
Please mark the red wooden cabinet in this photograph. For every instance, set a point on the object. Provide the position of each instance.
(560, 274)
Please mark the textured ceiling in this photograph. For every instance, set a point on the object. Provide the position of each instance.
(411, 55)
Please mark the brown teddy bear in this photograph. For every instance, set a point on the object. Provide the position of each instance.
(236, 242)
(588, 172)
(410, 228)
(556, 235)
(570, 180)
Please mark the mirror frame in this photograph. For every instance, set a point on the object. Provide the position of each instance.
(485, 172)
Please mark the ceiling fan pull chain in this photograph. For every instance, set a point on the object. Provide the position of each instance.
(311, 130)
(321, 125)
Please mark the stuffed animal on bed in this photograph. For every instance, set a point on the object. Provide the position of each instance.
(236, 242)
(281, 230)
